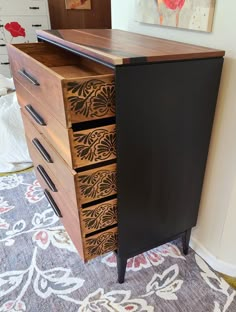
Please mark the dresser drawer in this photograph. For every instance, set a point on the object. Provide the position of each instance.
(83, 234)
(81, 187)
(97, 183)
(49, 166)
(23, 7)
(45, 123)
(5, 71)
(28, 23)
(72, 88)
(4, 60)
(62, 208)
(100, 216)
(4, 66)
(101, 243)
(93, 146)
(3, 48)
(88, 247)
(77, 148)
(44, 154)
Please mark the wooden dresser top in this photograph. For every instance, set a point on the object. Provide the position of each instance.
(117, 47)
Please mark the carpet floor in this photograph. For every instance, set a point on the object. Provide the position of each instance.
(40, 270)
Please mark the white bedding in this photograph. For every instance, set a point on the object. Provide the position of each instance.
(14, 154)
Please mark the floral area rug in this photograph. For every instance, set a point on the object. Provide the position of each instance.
(40, 270)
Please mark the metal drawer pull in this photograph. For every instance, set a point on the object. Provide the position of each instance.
(5, 63)
(27, 76)
(46, 178)
(36, 25)
(1, 25)
(42, 150)
(34, 8)
(2, 45)
(52, 203)
(35, 115)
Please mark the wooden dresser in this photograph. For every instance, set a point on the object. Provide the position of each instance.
(114, 118)
(23, 17)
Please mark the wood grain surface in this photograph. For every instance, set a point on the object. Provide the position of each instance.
(94, 145)
(98, 17)
(93, 218)
(97, 183)
(100, 216)
(101, 243)
(49, 89)
(120, 47)
(88, 88)
(91, 98)
(61, 174)
(68, 209)
(56, 134)
(77, 148)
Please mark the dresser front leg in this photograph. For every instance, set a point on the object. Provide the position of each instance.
(121, 268)
(185, 240)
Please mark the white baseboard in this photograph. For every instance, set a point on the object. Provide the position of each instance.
(217, 264)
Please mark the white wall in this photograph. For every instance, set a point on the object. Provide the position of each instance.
(215, 233)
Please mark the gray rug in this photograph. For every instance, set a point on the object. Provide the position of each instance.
(40, 270)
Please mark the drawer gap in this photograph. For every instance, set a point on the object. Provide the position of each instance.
(97, 165)
(93, 124)
(101, 230)
(63, 62)
(99, 201)
(74, 71)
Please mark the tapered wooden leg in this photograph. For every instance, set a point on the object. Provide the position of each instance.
(121, 268)
(185, 239)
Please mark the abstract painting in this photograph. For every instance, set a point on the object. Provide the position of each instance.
(78, 4)
(188, 14)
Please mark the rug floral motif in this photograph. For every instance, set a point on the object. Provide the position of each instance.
(40, 269)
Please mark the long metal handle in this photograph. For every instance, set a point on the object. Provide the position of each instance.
(34, 8)
(46, 178)
(28, 77)
(42, 150)
(2, 45)
(52, 203)
(36, 25)
(35, 115)
(5, 63)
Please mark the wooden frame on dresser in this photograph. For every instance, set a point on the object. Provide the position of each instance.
(105, 104)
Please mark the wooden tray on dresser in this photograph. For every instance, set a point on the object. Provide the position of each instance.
(118, 126)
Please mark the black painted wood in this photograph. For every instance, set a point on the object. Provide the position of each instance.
(164, 119)
(121, 268)
(185, 240)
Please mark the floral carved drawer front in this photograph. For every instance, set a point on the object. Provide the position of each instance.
(91, 99)
(94, 145)
(97, 183)
(101, 243)
(99, 216)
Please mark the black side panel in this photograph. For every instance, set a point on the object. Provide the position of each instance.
(164, 115)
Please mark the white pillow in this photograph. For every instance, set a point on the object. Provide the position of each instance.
(14, 154)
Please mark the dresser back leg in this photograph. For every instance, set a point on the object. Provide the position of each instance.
(185, 240)
(121, 268)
